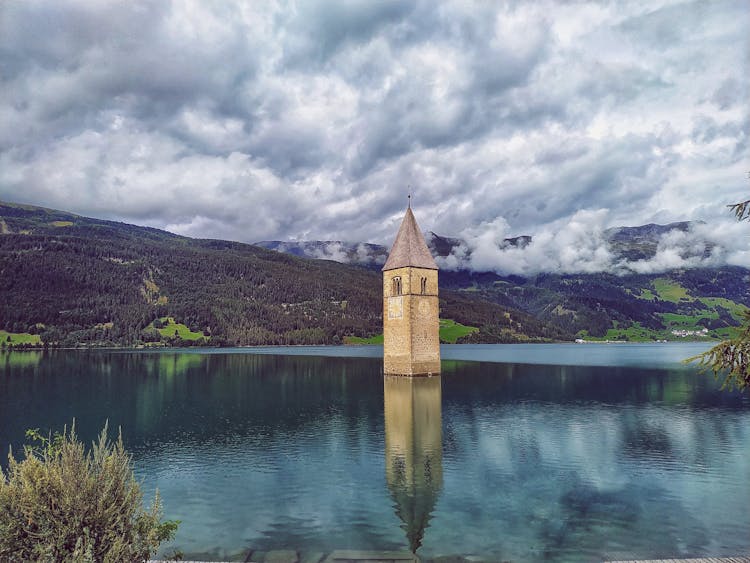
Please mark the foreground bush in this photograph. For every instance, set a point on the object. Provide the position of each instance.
(63, 503)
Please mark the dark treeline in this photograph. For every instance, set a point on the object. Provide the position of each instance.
(74, 280)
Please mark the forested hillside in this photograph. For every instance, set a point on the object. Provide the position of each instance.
(693, 303)
(68, 280)
(690, 303)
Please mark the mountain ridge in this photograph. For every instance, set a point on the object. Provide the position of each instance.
(72, 280)
(627, 243)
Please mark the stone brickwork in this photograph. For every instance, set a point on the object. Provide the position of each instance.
(411, 340)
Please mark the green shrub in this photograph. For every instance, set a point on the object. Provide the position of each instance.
(63, 503)
(730, 358)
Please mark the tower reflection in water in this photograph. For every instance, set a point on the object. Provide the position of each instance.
(413, 450)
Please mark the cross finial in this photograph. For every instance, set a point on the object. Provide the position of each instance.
(408, 197)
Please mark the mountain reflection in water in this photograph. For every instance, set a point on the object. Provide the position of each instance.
(518, 462)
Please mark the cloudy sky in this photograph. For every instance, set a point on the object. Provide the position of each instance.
(310, 119)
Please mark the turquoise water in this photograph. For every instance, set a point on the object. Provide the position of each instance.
(644, 354)
(535, 453)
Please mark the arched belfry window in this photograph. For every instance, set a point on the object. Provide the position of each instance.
(396, 287)
(423, 285)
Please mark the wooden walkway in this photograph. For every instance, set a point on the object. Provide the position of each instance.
(700, 560)
(339, 556)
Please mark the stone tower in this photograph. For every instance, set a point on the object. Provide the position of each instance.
(411, 341)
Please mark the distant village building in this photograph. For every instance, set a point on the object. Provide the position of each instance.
(411, 340)
(685, 333)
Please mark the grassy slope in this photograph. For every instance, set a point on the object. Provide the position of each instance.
(172, 329)
(669, 290)
(735, 309)
(19, 338)
(377, 339)
(450, 332)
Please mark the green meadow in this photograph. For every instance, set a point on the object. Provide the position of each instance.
(173, 329)
(377, 339)
(668, 290)
(450, 333)
(16, 338)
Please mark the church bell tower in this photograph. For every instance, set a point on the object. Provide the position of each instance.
(411, 340)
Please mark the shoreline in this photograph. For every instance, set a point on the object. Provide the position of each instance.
(36, 348)
(642, 354)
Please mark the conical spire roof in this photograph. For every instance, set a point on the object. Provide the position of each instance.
(409, 248)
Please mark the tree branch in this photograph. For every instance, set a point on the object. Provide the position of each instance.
(741, 209)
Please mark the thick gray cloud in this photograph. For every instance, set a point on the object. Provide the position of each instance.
(579, 244)
(309, 120)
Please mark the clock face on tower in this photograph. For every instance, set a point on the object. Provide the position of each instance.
(424, 309)
(395, 307)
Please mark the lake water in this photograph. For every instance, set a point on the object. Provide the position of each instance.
(533, 453)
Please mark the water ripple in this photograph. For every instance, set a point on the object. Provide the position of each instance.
(537, 462)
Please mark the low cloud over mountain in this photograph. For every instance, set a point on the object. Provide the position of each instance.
(581, 245)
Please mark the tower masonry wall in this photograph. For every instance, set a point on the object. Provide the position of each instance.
(411, 322)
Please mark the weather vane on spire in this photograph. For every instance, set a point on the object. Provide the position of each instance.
(408, 197)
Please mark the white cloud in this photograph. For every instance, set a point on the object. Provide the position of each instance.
(577, 245)
(310, 120)
(581, 244)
